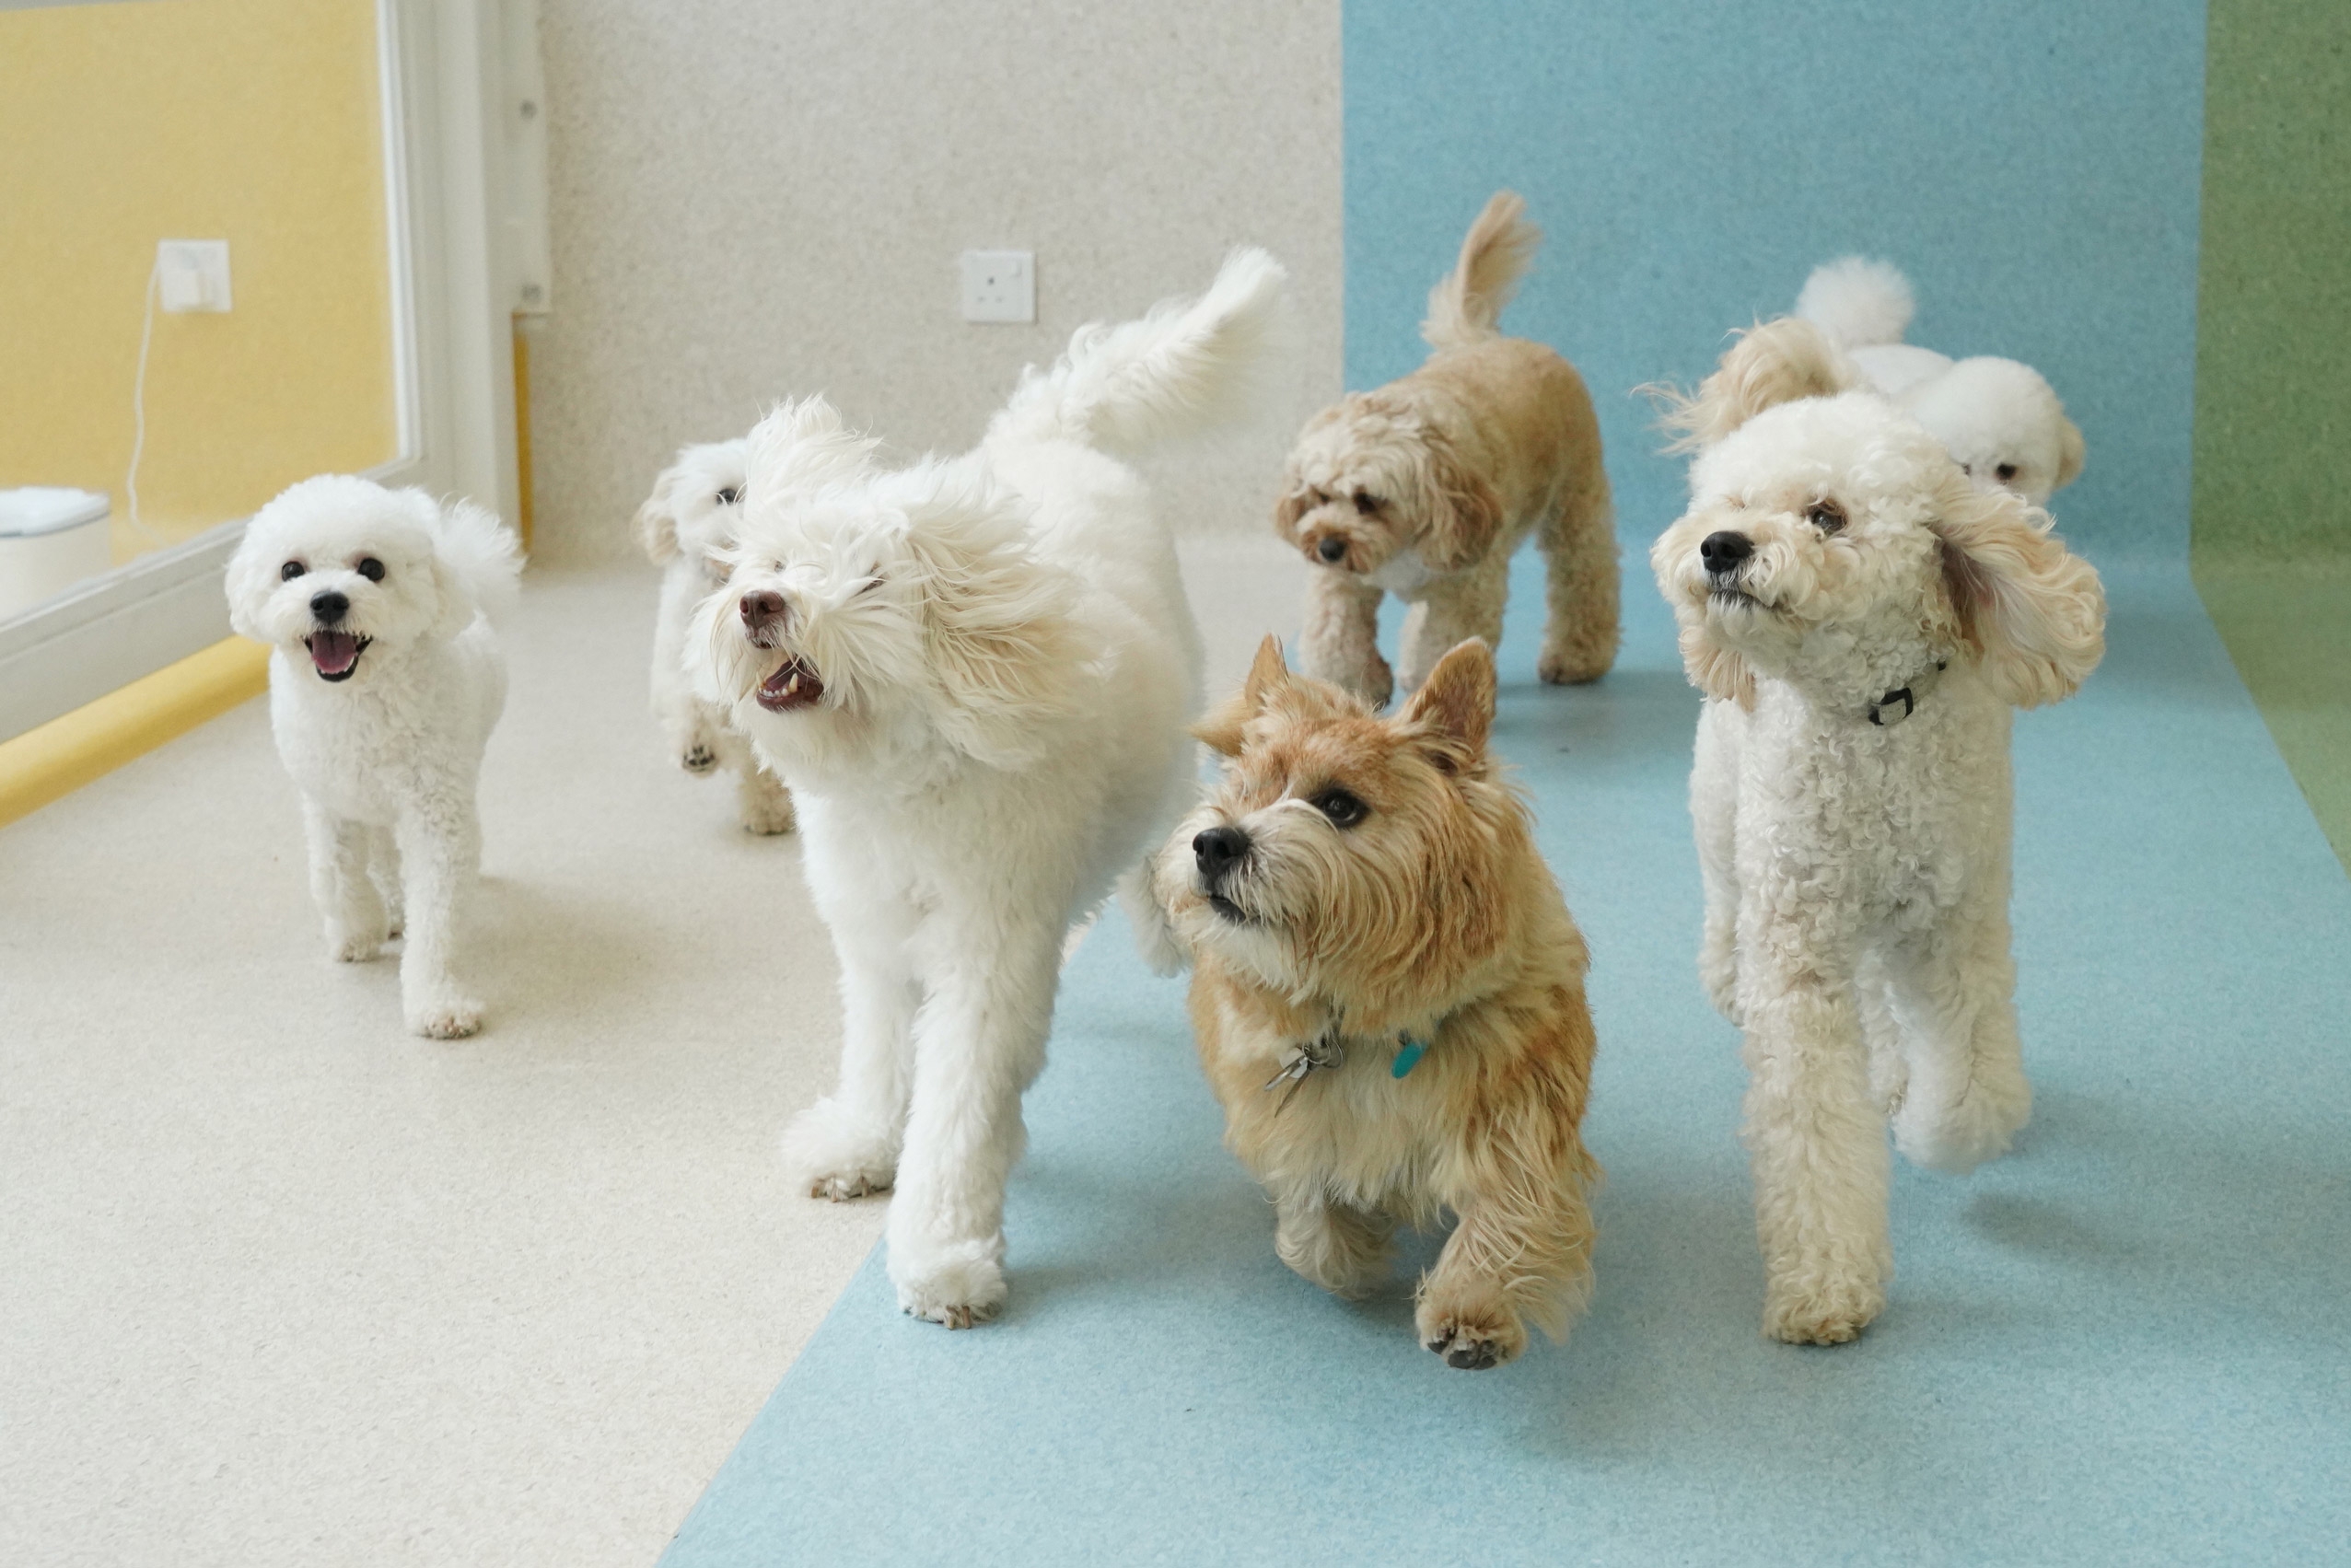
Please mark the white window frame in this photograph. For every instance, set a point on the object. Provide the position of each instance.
(465, 222)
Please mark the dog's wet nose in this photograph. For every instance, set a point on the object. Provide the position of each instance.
(1217, 849)
(1332, 548)
(1723, 551)
(761, 610)
(329, 607)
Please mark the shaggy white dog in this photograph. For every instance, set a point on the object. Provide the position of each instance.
(683, 525)
(1862, 618)
(974, 674)
(385, 682)
(1999, 420)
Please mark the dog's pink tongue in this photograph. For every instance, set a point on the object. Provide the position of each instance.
(333, 652)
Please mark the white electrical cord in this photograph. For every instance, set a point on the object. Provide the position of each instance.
(139, 407)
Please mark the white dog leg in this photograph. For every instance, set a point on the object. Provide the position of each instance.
(845, 1145)
(979, 1039)
(383, 869)
(762, 803)
(1967, 1095)
(439, 854)
(357, 926)
(1714, 790)
(1819, 1150)
(1454, 610)
(1340, 642)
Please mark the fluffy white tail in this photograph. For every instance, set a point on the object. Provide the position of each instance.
(484, 553)
(1464, 307)
(1857, 301)
(1185, 367)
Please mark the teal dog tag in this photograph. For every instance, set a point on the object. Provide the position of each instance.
(1408, 1058)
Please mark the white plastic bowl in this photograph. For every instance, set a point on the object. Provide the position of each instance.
(49, 540)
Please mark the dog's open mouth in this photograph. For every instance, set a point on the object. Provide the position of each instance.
(794, 686)
(336, 654)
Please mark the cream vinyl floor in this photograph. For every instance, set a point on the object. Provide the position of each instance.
(281, 1284)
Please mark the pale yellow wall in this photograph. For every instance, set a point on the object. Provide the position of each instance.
(256, 121)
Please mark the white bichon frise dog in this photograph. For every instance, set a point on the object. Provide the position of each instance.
(1861, 617)
(683, 525)
(1999, 420)
(385, 682)
(975, 675)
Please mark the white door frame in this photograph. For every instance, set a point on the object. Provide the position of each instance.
(465, 204)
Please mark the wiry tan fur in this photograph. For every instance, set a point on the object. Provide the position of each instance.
(1434, 916)
(1424, 488)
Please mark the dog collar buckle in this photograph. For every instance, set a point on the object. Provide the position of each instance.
(1324, 1050)
(1885, 713)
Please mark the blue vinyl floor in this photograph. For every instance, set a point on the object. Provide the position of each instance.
(2128, 1341)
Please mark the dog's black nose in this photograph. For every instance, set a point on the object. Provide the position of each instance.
(761, 610)
(329, 607)
(1216, 850)
(1332, 549)
(1723, 551)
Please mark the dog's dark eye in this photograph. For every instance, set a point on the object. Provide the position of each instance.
(1321, 497)
(290, 571)
(1825, 516)
(1343, 809)
(371, 568)
(1367, 503)
(2007, 472)
(729, 495)
(869, 584)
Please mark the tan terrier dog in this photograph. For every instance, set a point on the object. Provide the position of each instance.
(1389, 997)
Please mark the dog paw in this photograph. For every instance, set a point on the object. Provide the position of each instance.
(827, 1154)
(956, 1293)
(448, 1019)
(1828, 1312)
(698, 759)
(1471, 1335)
(766, 813)
(1572, 667)
(354, 947)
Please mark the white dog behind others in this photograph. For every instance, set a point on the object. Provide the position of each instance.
(683, 525)
(385, 682)
(1999, 420)
(974, 674)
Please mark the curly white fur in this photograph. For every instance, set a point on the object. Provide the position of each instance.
(683, 525)
(1999, 420)
(385, 682)
(975, 675)
(1863, 617)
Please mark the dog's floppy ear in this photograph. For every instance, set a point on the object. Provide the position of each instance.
(247, 582)
(2071, 453)
(996, 629)
(455, 600)
(1461, 511)
(1221, 729)
(1294, 503)
(1772, 362)
(2033, 611)
(657, 520)
(1454, 706)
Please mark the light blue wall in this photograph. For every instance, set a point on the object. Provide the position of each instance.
(2033, 166)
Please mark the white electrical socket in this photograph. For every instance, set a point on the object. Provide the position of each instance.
(192, 275)
(999, 286)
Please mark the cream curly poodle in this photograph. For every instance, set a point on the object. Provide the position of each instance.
(1861, 617)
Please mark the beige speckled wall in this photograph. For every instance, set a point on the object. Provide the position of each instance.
(753, 198)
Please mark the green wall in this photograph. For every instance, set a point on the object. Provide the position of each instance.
(2271, 481)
